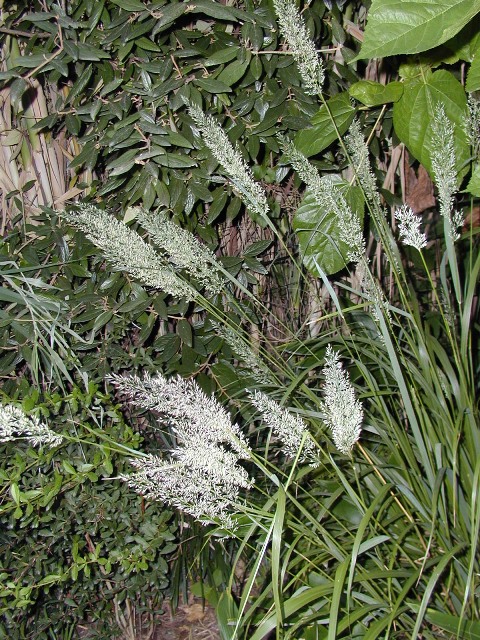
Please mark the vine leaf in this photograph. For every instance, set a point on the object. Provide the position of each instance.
(413, 114)
(372, 94)
(322, 132)
(411, 26)
(473, 75)
(319, 237)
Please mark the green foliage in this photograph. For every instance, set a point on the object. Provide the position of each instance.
(379, 544)
(372, 94)
(411, 27)
(75, 543)
(320, 242)
(413, 113)
(336, 115)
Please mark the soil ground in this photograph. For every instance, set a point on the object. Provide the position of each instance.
(191, 622)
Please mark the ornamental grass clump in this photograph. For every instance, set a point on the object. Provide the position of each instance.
(392, 524)
(337, 545)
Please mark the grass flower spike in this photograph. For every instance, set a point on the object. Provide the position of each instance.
(14, 424)
(358, 150)
(409, 228)
(231, 160)
(343, 413)
(302, 48)
(255, 367)
(126, 250)
(288, 428)
(444, 170)
(202, 475)
(182, 249)
(472, 125)
(329, 198)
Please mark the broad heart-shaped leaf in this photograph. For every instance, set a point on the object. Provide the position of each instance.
(413, 114)
(411, 26)
(473, 75)
(372, 93)
(322, 132)
(318, 234)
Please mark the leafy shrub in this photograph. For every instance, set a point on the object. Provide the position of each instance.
(76, 545)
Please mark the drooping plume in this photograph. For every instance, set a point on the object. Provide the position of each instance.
(15, 424)
(202, 475)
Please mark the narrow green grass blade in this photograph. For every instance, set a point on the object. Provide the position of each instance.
(463, 629)
(452, 260)
(226, 610)
(467, 308)
(412, 418)
(397, 608)
(277, 544)
(336, 598)
(475, 533)
(436, 573)
(291, 606)
(251, 581)
(364, 523)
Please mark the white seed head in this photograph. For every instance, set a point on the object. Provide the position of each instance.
(192, 412)
(202, 476)
(256, 368)
(126, 250)
(343, 413)
(301, 46)
(409, 228)
(359, 153)
(232, 162)
(472, 125)
(290, 429)
(191, 489)
(14, 424)
(444, 169)
(182, 248)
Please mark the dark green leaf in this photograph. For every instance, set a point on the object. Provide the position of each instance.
(318, 234)
(214, 10)
(211, 85)
(80, 84)
(222, 56)
(322, 132)
(233, 72)
(184, 330)
(414, 112)
(409, 26)
(167, 14)
(17, 89)
(372, 93)
(130, 5)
